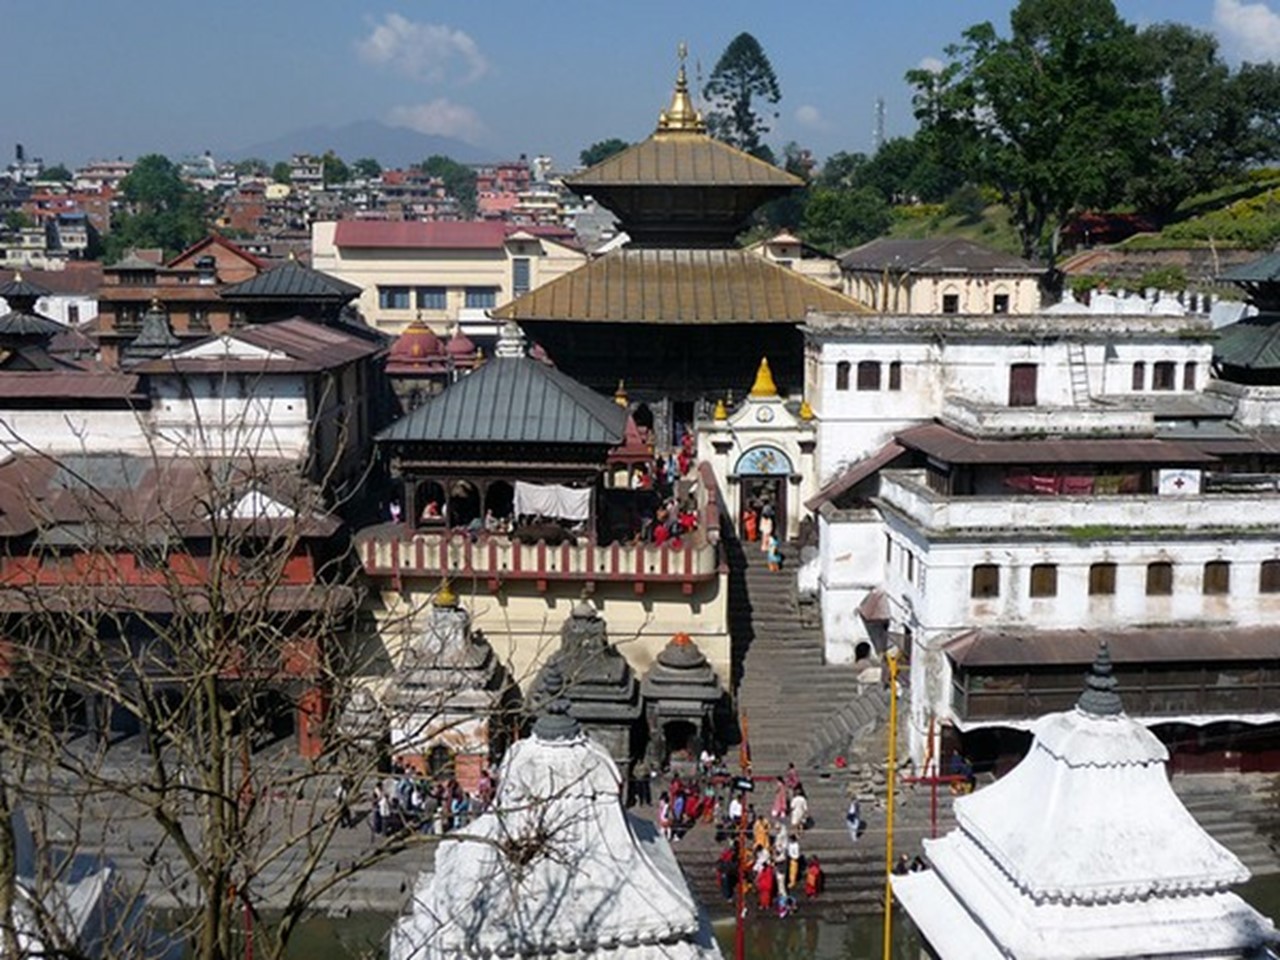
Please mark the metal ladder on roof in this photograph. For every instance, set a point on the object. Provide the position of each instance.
(1079, 370)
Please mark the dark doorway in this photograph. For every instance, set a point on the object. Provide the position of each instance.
(1022, 385)
(757, 492)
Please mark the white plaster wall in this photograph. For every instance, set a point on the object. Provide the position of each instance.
(230, 415)
(851, 557)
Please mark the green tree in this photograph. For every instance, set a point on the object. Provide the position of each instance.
(459, 180)
(17, 220)
(1209, 117)
(57, 172)
(334, 170)
(1060, 116)
(281, 172)
(838, 219)
(742, 75)
(252, 167)
(842, 170)
(161, 210)
(601, 150)
(367, 168)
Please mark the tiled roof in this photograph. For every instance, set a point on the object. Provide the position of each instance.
(445, 234)
(934, 255)
(20, 286)
(679, 286)
(221, 241)
(67, 387)
(513, 400)
(684, 159)
(291, 281)
(77, 278)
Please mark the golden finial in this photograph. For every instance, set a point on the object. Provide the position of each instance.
(445, 597)
(681, 116)
(155, 304)
(620, 395)
(721, 411)
(764, 385)
(806, 411)
(293, 256)
(17, 276)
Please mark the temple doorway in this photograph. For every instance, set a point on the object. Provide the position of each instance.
(762, 496)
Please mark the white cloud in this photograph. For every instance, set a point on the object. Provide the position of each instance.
(932, 64)
(1251, 30)
(811, 117)
(424, 51)
(441, 117)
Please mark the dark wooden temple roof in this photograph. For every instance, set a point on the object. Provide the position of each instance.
(513, 400)
(291, 281)
(679, 286)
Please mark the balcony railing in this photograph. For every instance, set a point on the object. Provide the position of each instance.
(397, 550)
(906, 492)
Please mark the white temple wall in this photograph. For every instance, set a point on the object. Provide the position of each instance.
(851, 565)
(523, 626)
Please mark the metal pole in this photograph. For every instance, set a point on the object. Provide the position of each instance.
(890, 778)
(740, 895)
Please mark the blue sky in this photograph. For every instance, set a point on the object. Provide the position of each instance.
(103, 78)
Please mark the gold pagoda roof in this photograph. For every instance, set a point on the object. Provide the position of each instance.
(683, 158)
(681, 153)
(679, 286)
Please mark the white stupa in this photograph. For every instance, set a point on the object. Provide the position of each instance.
(1083, 851)
(557, 867)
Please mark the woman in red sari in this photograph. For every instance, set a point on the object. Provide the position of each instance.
(765, 881)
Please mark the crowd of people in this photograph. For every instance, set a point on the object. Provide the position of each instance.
(765, 851)
(408, 801)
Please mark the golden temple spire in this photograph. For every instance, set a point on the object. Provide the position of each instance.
(682, 116)
(445, 597)
(764, 385)
(721, 411)
(620, 395)
(806, 411)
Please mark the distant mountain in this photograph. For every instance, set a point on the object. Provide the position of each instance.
(390, 146)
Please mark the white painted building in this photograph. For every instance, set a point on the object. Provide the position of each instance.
(994, 486)
(1083, 852)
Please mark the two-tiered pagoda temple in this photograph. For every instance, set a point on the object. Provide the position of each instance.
(681, 312)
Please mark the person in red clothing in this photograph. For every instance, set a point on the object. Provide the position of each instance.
(765, 881)
(814, 878)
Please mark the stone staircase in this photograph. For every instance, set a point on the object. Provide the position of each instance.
(800, 709)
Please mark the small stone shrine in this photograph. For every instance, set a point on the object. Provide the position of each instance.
(1082, 852)
(680, 695)
(555, 867)
(602, 690)
(443, 698)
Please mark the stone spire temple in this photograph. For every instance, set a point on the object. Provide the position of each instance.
(1082, 851)
(445, 693)
(555, 867)
(602, 690)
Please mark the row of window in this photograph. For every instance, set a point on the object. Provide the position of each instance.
(1164, 375)
(951, 303)
(868, 375)
(435, 298)
(1215, 579)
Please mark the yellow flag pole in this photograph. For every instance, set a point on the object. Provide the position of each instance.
(891, 777)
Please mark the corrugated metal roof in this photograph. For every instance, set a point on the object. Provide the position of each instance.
(1252, 343)
(20, 324)
(679, 287)
(291, 281)
(1036, 648)
(1263, 270)
(934, 254)
(945, 444)
(307, 347)
(68, 385)
(683, 159)
(855, 474)
(513, 400)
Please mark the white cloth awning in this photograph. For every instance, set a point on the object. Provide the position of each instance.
(552, 500)
(941, 919)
